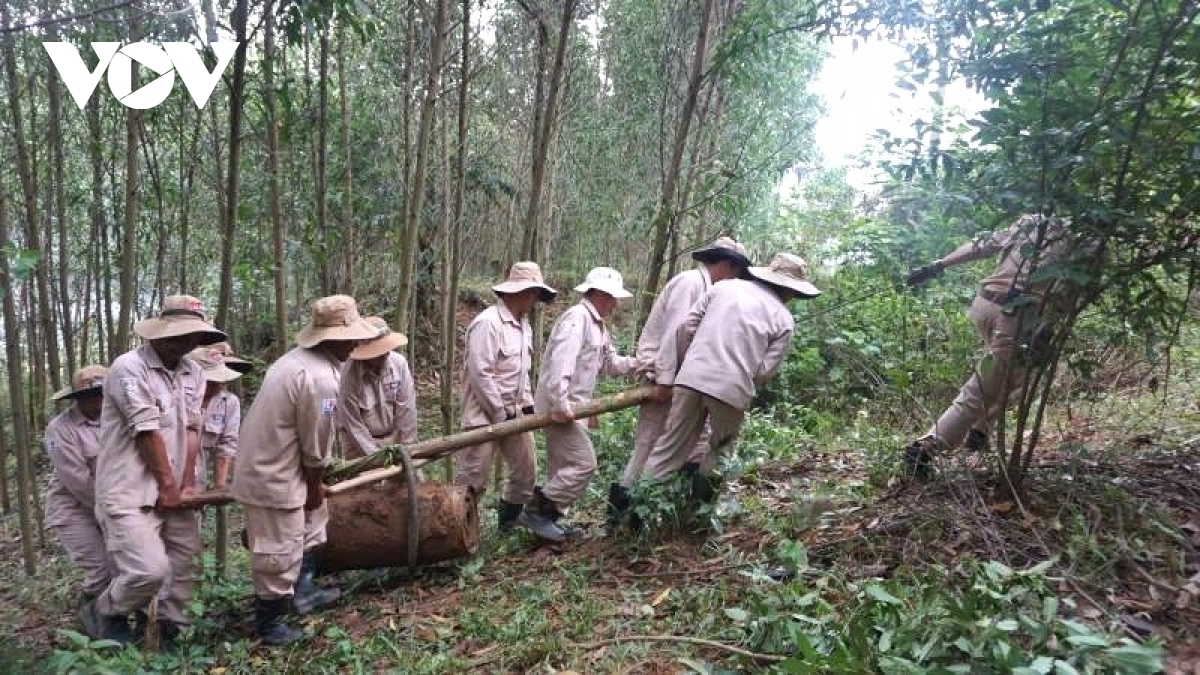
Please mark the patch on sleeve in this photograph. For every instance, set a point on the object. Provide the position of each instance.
(130, 386)
(51, 445)
(392, 387)
(217, 418)
(328, 406)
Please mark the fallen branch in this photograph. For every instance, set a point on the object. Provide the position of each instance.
(754, 656)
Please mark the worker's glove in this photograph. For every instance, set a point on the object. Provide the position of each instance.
(924, 273)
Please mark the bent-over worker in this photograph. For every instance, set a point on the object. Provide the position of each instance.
(377, 398)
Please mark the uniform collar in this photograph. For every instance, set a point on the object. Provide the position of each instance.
(79, 418)
(592, 310)
(506, 314)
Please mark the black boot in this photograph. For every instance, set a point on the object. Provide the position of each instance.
(102, 627)
(308, 596)
(538, 517)
(918, 458)
(507, 514)
(977, 441)
(702, 488)
(269, 624)
(619, 502)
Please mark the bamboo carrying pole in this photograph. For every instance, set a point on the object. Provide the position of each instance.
(379, 466)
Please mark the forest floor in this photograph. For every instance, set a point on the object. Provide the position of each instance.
(817, 558)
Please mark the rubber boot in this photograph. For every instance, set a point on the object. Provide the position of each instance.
(102, 627)
(977, 441)
(701, 487)
(269, 623)
(308, 596)
(507, 514)
(619, 502)
(918, 459)
(538, 517)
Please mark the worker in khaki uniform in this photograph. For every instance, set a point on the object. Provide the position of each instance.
(149, 442)
(496, 388)
(222, 416)
(730, 343)
(578, 351)
(377, 399)
(72, 441)
(1005, 312)
(284, 449)
(723, 259)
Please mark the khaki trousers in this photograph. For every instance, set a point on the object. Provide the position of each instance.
(652, 419)
(83, 540)
(153, 553)
(570, 462)
(278, 539)
(685, 424)
(473, 465)
(978, 402)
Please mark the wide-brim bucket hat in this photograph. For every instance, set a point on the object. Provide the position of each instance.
(87, 381)
(607, 280)
(212, 361)
(335, 318)
(181, 315)
(232, 360)
(523, 276)
(788, 271)
(724, 248)
(385, 341)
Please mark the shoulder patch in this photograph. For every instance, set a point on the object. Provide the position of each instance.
(328, 406)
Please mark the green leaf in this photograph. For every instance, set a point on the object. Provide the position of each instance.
(737, 614)
(1063, 668)
(1092, 640)
(1134, 659)
(1007, 625)
(878, 592)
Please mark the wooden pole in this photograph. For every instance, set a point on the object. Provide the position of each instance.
(384, 464)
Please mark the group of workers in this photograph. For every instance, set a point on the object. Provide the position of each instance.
(140, 435)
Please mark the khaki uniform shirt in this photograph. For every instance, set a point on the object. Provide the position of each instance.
(1031, 242)
(219, 434)
(669, 310)
(733, 340)
(72, 442)
(141, 394)
(290, 426)
(377, 411)
(496, 364)
(578, 351)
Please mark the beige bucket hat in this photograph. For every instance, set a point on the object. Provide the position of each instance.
(233, 360)
(724, 248)
(181, 315)
(212, 362)
(335, 318)
(386, 340)
(87, 381)
(523, 275)
(605, 279)
(789, 271)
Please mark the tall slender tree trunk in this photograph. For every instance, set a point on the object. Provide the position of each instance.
(58, 164)
(5, 500)
(665, 214)
(349, 242)
(326, 256)
(16, 392)
(545, 125)
(454, 233)
(129, 222)
(232, 177)
(416, 194)
(278, 232)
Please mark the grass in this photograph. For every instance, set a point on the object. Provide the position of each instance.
(817, 559)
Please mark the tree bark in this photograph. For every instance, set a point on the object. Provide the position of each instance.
(229, 220)
(321, 167)
(16, 390)
(278, 231)
(60, 211)
(454, 237)
(544, 123)
(349, 242)
(414, 203)
(128, 248)
(665, 214)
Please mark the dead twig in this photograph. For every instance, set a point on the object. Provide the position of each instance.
(754, 656)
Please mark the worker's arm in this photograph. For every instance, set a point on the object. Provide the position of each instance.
(153, 451)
